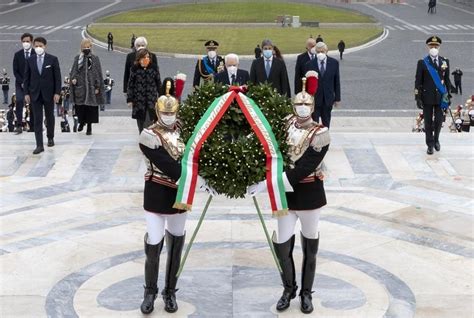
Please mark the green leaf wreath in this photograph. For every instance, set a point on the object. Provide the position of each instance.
(232, 158)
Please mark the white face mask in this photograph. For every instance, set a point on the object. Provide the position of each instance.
(321, 56)
(312, 50)
(140, 48)
(268, 53)
(303, 111)
(434, 52)
(168, 119)
(232, 70)
(26, 45)
(212, 54)
(39, 50)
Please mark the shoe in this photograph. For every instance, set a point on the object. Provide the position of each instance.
(50, 142)
(18, 130)
(81, 127)
(152, 265)
(437, 146)
(38, 150)
(174, 245)
(284, 252)
(429, 150)
(308, 270)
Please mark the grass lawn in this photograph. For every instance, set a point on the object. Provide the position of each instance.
(237, 40)
(236, 11)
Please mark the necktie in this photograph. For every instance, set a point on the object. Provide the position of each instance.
(436, 62)
(213, 62)
(27, 55)
(312, 56)
(40, 64)
(233, 79)
(322, 69)
(267, 68)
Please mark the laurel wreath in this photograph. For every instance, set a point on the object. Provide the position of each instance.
(232, 158)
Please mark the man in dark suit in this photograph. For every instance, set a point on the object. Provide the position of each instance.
(431, 92)
(301, 61)
(140, 43)
(42, 86)
(329, 88)
(232, 75)
(19, 63)
(270, 69)
(208, 66)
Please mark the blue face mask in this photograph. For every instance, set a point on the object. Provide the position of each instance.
(268, 53)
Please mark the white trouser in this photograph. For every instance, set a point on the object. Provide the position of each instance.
(309, 224)
(157, 223)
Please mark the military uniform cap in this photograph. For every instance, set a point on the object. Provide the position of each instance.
(433, 40)
(211, 44)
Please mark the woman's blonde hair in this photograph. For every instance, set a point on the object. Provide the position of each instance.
(84, 42)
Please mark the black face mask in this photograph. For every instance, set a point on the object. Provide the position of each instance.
(86, 51)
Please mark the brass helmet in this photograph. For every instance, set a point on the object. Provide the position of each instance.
(167, 103)
(303, 97)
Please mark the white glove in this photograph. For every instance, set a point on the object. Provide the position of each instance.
(201, 185)
(253, 189)
(287, 184)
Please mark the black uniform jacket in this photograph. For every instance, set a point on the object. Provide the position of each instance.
(158, 197)
(311, 195)
(424, 84)
(201, 70)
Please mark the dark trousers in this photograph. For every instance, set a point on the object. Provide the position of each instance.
(432, 128)
(323, 112)
(5, 96)
(110, 46)
(20, 103)
(458, 87)
(37, 107)
(108, 97)
(340, 54)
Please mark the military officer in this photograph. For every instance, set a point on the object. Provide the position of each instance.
(431, 91)
(208, 66)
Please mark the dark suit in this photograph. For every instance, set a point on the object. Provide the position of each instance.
(42, 88)
(301, 61)
(278, 77)
(241, 79)
(428, 94)
(131, 57)
(329, 89)
(19, 65)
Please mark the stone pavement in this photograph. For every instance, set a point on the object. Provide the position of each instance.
(396, 236)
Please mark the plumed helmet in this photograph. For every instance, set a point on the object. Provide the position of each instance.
(303, 97)
(167, 102)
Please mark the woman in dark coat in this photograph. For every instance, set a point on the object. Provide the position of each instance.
(87, 86)
(143, 87)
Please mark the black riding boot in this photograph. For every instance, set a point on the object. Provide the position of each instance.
(174, 245)
(284, 252)
(310, 249)
(152, 264)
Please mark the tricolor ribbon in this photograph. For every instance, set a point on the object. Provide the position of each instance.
(204, 128)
